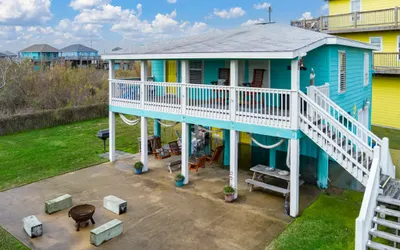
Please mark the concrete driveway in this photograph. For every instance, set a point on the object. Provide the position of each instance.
(159, 215)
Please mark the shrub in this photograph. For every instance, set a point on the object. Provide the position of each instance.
(138, 165)
(228, 190)
(179, 177)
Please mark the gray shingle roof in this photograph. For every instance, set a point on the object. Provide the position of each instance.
(267, 38)
(2, 55)
(40, 48)
(8, 53)
(77, 48)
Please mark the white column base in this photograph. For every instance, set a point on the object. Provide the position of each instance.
(111, 139)
(294, 177)
(185, 152)
(144, 156)
(233, 173)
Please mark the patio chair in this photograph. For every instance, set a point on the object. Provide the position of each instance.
(258, 79)
(215, 155)
(174, 148)
(158, 151)
(196, 163)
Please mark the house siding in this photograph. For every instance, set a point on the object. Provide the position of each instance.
(343, 6)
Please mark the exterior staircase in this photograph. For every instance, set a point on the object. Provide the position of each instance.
(366, 157)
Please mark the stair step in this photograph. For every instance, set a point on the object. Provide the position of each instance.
(384, 235)
(386, 223)
(388, 200)
(384, 180)
(387, 211)
(379, 246)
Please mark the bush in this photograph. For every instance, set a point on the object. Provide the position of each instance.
(138, 165)
(179, 177)
(228, 190)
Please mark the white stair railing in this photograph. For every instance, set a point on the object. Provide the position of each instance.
(364, 220)
(335, 139)
(355, 127)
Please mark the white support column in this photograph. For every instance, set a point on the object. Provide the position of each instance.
(294, 177)
(143, 78)
(234, 80)
(111, 115)
(185, 78)
(185, 152)
(295, 87)
(144, 156)
(233, 173)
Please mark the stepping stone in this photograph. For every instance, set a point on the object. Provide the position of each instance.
(58, 204)
(115, 204)
(32, 226)
(106, 232)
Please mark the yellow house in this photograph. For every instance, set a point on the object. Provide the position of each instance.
(375, 22)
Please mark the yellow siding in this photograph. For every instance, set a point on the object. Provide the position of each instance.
(386, 101)
(244, 138)
(343, 6)
(389, 38)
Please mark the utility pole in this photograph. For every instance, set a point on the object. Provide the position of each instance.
(270, 13)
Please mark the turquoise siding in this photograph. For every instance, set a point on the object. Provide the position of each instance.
(76, 53)
(38, 55)
(211, 68)
(157, 70)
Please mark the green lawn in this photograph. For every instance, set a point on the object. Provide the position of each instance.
(8, 242)
(392, 134)
(329, 223)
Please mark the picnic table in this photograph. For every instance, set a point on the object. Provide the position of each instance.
(261, 171)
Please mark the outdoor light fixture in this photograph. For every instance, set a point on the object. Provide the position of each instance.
(367, 103)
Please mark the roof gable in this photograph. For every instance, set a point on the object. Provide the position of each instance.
(43, 48)
(77, 48)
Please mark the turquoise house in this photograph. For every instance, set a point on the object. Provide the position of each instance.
(40, 53)
(79, 54)
(294, 93)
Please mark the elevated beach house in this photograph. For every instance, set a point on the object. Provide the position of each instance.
(79, 54)
(41, 53)
(293, 90)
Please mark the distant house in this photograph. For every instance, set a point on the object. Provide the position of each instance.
(2, 55)
(79, 54)
(40, 53)
(7, 54)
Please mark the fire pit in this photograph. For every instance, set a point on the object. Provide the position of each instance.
(82, 214)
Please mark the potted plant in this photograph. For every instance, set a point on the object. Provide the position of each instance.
(138, 167)
(229, 193)
(179, 178)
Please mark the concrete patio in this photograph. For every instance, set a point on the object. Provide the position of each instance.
(160, 216)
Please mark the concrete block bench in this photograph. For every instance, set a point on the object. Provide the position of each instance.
(106, 232)
(58, 204)
(115, 204)
(32, 226)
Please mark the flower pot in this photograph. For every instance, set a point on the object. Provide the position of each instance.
(229, 197)
(179, 183)
(138, 170)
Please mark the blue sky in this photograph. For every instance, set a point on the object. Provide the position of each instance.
(109, 23)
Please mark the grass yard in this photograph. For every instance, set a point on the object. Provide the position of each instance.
(8, 242)
(329, 223)
(392, 134)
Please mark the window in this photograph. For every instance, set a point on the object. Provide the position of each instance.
(342, 72)
(366, 69)
(196, 71)
(355, 6)
(377, 41)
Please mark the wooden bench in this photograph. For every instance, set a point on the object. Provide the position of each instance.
(115, 204)
(106, 232)
(32, 226)
(284, 191)
(58, 204)
(173, 164)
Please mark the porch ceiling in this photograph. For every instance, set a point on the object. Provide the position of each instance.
(250, 42)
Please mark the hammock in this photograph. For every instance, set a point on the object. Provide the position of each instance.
(211, 131)
(266, 146)
(129, 122)
(167, 125)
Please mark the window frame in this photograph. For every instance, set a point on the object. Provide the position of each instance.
(367, 69)
(197, 69)
(381, 39)
(342, 52)
(351, 10)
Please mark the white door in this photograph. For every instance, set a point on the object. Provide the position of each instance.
(363, 118)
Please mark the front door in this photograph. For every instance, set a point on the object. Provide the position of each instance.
(171, 75)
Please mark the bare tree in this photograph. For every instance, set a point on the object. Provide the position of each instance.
(8, 71)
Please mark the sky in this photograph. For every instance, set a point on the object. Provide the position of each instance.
(106, 24)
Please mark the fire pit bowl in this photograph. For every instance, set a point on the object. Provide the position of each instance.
(81, 214)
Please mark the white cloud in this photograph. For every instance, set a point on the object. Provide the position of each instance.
(306, 16)
(252, 22)
(231, 13)
(87, 4)
(171, 1)
(261, 6)
(104, 14)
(325, 8)
(25, 12)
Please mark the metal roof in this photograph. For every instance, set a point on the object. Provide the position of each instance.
(2, 55)
(77, 48)
(8, 53)
(271, 39)
(40, 48)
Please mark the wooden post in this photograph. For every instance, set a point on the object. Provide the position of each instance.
(144, 154)
(295, 87)
(143, 78)
(233, 173)
(185, 78)
(355, 15)
(185, 151)
(294, 177)
(396, 16)
(234, 79)
(111, 115)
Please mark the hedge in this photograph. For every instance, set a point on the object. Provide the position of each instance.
(51, 118)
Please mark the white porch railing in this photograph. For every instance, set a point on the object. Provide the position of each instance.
(259, 106)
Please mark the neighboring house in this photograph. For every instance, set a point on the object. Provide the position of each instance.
(79, 54)
(40, 53)
(256, 80)
(375, 22)
(7, 54)
(119, 65)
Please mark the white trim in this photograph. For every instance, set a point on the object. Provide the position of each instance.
(343, 52)
(244, 55)
(366, 67)
(381, 47)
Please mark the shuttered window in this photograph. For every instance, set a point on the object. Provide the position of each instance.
(366, 69)
(342, 72)
(196, 71)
